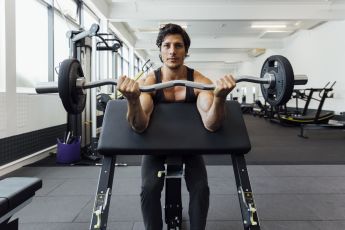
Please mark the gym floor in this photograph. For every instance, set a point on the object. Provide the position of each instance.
(287, 197)
(303, 191)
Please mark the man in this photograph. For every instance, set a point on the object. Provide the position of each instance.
(174, 43)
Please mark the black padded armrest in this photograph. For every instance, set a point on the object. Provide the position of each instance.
(175, 129)
(16, 190)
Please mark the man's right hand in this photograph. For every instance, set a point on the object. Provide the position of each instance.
(129, 88)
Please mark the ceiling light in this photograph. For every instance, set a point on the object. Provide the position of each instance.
(277, 31)
(268, 26)
(184, 26)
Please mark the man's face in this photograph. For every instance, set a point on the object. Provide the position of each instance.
(173, 51)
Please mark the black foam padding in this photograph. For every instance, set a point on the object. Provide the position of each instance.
(3, 206)
(174, 129)
(16, 190)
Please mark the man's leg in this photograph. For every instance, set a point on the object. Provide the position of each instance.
(151, 189)
(199, 192)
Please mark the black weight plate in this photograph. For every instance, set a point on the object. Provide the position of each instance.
(281, 93)
(72, 98)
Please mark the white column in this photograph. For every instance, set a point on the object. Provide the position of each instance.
(93, 90)
(10, 66)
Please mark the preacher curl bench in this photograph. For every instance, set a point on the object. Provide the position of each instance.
(175, 130)
(183, 131)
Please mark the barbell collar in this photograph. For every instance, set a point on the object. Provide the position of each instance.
(47, 87)
(301, 79)
(80, 82)
(271, 80)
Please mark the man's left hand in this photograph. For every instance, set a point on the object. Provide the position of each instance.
(224, 86)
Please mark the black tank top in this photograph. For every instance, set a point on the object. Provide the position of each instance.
(159, 95)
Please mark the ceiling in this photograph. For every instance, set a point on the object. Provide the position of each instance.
(221, 31)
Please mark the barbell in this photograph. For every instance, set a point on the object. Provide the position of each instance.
(277, 82)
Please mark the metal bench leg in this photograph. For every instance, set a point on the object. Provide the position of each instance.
(173, 204)
(9, 225)
(245, 195)
(102, 201)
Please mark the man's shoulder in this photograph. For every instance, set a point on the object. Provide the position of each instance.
(199, 77)
(150, 78)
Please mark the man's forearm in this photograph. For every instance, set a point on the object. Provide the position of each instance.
(136, 116)
(215, 115)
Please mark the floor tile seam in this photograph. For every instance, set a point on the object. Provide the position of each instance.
(339, 176)
(307, 193)
(54, 196)
(187, 220)
(277, 193)
(114, 194)
(92, 200)
(294, 165)
(261, 220)
(66, 178)
(58, 186)
(228, 178)
(73, 222)
(303, 220)
(312, 210)
(300, 193)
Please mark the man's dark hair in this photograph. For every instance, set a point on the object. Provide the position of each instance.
(173, 29)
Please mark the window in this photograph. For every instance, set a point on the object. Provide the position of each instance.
(119, 63)
(61, 42)
(68, 8)
(89, 18)
(125, 60)
(31, 43)
(136, 65)
(2, 47)
(111, 60)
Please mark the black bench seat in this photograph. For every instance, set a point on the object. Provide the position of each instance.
(15, 193)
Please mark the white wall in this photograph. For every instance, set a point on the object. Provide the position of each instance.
(2, 46)
(320, 53)
(317, 53)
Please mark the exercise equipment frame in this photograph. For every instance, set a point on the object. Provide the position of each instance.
(186, 136)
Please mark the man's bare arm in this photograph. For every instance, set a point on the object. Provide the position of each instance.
(211, 104)
(140, 105)
(139, 112)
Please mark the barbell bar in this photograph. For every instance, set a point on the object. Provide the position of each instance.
(277, 82)
(268, 81)
(48, 87)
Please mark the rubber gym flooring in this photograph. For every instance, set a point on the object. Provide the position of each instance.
(297, 184)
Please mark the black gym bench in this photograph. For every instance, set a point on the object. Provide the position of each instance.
(175, 130)
(15, 193)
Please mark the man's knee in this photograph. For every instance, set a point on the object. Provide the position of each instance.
(152, 187)
(200, 188)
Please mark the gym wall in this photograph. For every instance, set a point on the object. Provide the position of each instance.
(317, 53)
(28, 122)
